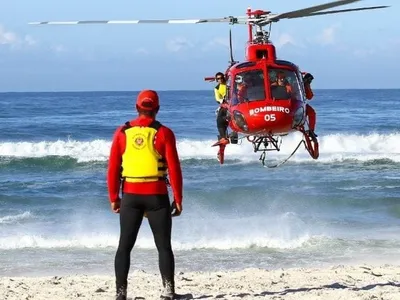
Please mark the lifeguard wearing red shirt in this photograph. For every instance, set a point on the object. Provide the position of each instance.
(143, 153)
(164, 146)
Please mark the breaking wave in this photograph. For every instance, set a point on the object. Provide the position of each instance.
(333, 147)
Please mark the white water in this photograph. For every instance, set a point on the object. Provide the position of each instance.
(333, 147)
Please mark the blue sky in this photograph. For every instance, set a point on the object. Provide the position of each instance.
(349, 50)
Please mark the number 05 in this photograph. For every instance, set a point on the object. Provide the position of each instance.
(269, 118)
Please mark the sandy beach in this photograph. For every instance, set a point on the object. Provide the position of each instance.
(339, 282)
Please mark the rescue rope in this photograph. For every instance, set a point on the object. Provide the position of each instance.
(262, 157)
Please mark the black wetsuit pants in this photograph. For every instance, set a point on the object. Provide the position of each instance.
(222, 122)
(158, 212)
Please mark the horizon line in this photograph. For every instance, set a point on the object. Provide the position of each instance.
(172, 90)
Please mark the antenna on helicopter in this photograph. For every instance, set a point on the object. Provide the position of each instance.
(232, 61)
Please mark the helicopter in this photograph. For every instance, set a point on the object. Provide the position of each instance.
(258, 108)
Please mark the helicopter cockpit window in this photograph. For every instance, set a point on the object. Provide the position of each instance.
(284, 84)
(248, 86)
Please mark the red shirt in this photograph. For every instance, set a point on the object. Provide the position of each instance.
(165, 144)
(309, 92)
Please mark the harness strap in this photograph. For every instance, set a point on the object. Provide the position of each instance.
(159, 178)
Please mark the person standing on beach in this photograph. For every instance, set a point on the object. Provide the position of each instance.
(142, 152)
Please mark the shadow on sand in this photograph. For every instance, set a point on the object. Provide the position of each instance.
(284, 292)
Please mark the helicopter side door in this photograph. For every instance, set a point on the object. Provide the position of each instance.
(302, 88)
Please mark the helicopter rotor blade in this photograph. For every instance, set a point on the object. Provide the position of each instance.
(345, 10)
(154, 21)
(258, 20)
(309, 10)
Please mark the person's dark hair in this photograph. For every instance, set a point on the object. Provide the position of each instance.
(308, 78)
(149, 113)
(220, 74)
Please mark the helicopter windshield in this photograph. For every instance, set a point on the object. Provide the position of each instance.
(248, 86)
(284, 84)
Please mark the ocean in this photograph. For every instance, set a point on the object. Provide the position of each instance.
(343, 208)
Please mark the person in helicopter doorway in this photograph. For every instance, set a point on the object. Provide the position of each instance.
(222, 111)
(220, 88)
(281, 88)
(310, 112)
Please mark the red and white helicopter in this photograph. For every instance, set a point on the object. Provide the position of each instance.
(263, 115)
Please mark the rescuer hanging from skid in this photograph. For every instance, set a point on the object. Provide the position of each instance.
(310, 112)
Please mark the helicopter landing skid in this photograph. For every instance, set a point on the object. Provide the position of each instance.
(270, 143)
(311, 144)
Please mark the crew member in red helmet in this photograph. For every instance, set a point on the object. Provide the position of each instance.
(142, 152)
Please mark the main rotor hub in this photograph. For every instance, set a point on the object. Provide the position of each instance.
(258, 13)
(261, 36)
